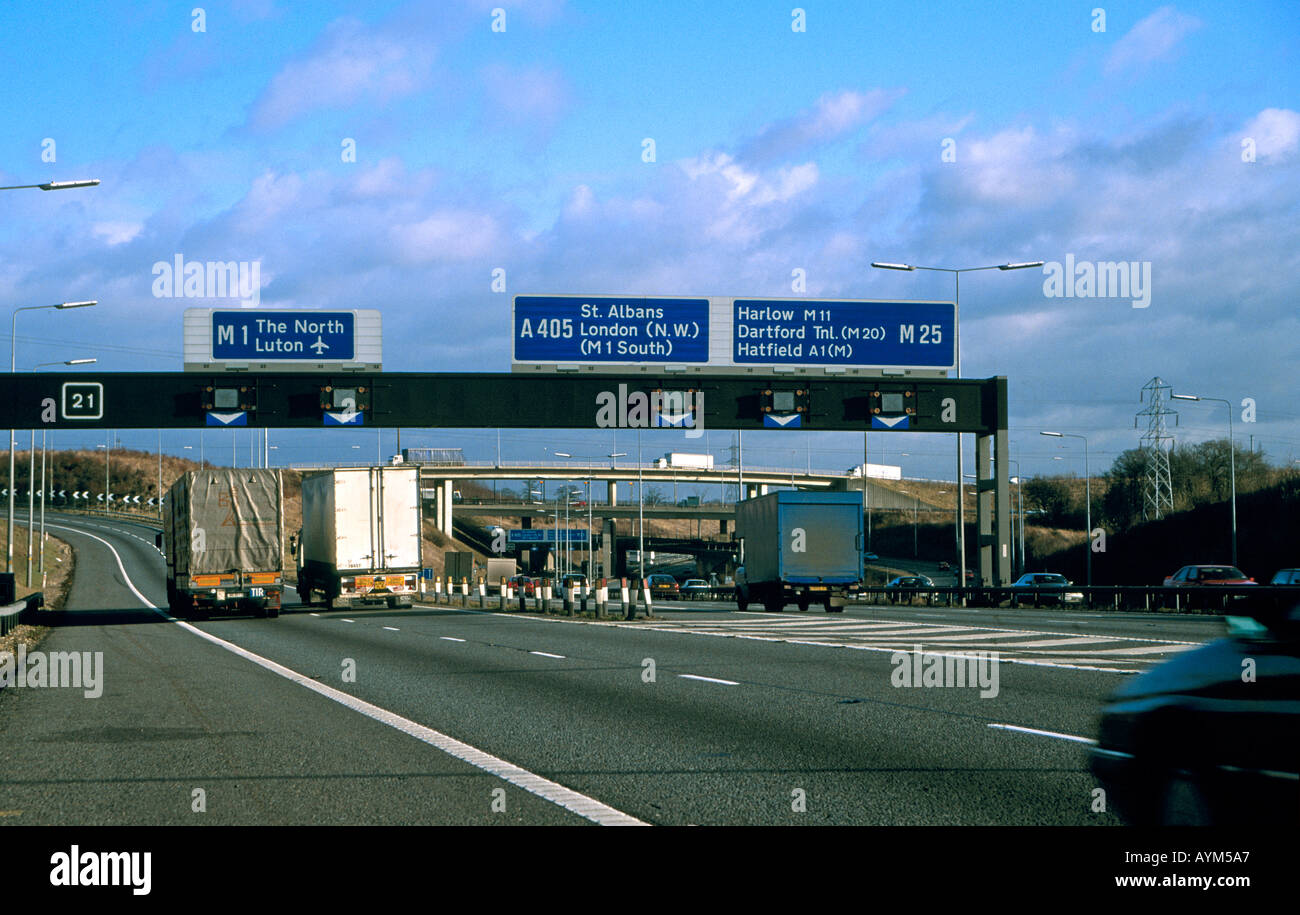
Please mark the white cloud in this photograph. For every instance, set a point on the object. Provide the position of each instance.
(1155, 38)
(117, 233)
(834, 115)
(348, 63)
(447, 235)
(1276, 132)
(525, 95)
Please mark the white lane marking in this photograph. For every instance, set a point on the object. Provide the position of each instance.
(547, 654)
(708, 679)
(583, 806)
(347, 621)
(1074, 640)
(447, 638)
(314, 614)
(1061, 664)
(1146, 649)
(392, 629)
(125, 578)
(1057, 735)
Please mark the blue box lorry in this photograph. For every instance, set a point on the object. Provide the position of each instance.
(798, 546)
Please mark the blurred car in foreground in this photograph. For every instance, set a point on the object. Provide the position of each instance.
(1211, 737)
(1045, 588)
(695, 589)
(664, 587)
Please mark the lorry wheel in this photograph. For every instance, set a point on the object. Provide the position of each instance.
(831, 608)
(802, 605)
(272, 612)
(741, 604)
(773, 605)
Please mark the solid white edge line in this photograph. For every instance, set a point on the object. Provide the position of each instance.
(447, 638)
(392, 629)
(547, 654)
(708, 679)
(557, 794)
(1058, 736)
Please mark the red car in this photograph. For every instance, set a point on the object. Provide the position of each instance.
(529, 585)
(1211, 575)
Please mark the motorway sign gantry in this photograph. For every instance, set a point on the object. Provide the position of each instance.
(183, 400)
(612, 334)
(188, 400)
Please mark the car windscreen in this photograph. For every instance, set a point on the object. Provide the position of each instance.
(1221, 572)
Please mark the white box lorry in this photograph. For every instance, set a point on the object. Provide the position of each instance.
(360, 541)
(685, 461)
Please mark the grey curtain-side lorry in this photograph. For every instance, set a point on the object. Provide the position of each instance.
(360, 540)
(801, 546)
(223, 541)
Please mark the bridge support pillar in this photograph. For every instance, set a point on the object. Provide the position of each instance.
(444, 499)
(612, 492)
(993, 499)
(608, 537)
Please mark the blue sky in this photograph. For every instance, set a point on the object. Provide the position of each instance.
(775, 150)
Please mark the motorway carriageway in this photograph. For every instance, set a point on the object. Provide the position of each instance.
(454, 712)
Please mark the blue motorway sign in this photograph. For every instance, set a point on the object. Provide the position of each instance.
(852, 334)
(546, 535)
(254, 334)
(576, 329)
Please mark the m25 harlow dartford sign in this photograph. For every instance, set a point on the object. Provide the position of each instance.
(732, 335)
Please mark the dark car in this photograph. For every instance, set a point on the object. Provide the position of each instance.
(664, 586)
(1213, 736)
(1044, 588)
(901, 587)
(945, 566)
(696, 589)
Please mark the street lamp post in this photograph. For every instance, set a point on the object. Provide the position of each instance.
(13, 353)
(1232, 462)
(1020, 510)
(591, 565)
(1087, 498)
(957, 272)
(41, 540)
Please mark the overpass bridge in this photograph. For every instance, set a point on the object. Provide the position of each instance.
(441, 479)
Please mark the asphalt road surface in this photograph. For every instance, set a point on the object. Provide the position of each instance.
(703, 716)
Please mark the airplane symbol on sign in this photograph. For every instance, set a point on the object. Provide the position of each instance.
(320, 345)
